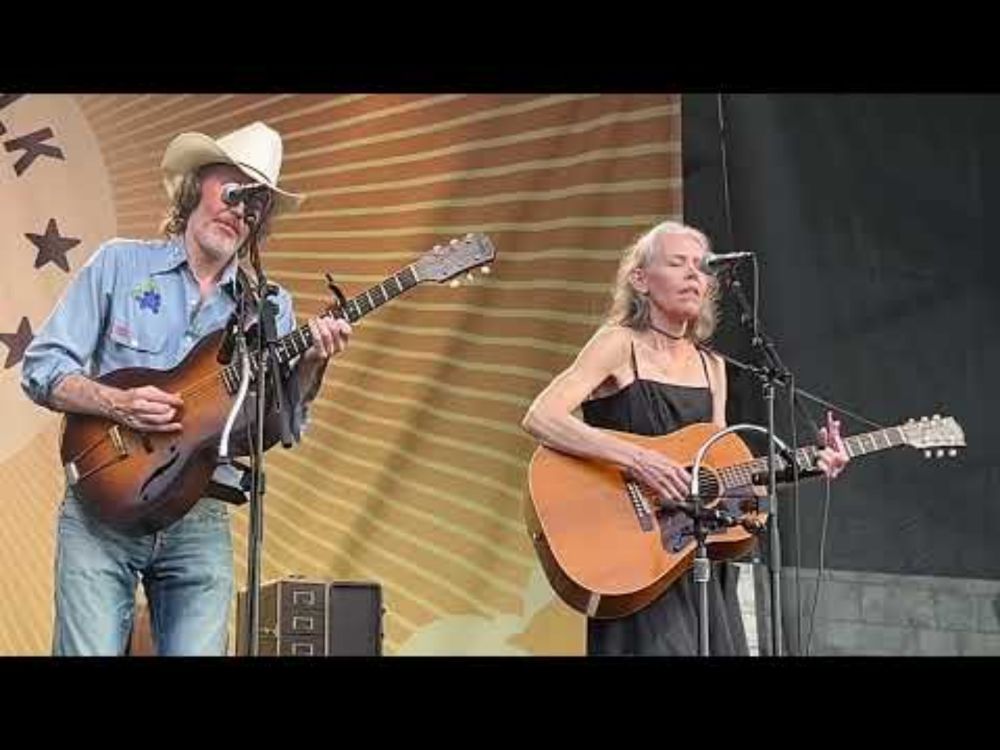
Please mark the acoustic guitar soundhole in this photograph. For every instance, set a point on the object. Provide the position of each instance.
(708, 484)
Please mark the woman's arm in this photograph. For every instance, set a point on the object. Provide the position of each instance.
(551, 421)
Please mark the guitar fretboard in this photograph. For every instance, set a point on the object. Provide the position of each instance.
(298, 341)
(740, 475)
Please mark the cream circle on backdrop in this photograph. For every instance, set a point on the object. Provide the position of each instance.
(55, 213)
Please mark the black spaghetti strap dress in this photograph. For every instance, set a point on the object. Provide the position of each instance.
(669, 625)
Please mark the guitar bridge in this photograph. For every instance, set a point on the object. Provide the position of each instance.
(72, 468)
(643, 513)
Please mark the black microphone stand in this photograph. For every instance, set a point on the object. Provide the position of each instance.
(771, 371)
(265, 364)
(696, 510)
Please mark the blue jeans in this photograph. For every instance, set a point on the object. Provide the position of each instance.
(186, 570)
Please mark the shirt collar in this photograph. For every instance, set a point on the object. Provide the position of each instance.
(171, 259)
(176, 256)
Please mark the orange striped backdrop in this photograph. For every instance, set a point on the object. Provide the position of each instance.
(412, 470)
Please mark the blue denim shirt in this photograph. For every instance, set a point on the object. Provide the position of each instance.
(135, 304)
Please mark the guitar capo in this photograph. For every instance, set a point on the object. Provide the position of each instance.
(341, 299)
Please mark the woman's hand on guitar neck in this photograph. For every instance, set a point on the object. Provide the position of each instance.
(667, 478)
(146, 409)
(833, 456)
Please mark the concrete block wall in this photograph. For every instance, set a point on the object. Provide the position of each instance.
(873, 614)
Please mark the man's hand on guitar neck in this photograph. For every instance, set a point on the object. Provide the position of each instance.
(833, 456)
(330, 337)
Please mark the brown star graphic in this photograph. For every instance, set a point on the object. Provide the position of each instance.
(16, 343)
(52, 247)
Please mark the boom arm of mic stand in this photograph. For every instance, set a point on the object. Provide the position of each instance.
(779, 373)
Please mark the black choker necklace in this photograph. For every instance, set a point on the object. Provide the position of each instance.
(669, 335)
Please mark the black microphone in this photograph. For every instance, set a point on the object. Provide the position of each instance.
(234, 193)
(711, 263)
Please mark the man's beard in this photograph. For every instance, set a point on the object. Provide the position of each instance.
(222, 248)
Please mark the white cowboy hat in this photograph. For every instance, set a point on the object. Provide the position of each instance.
(255, 149)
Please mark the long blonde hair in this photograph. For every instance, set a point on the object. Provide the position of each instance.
(630, 308)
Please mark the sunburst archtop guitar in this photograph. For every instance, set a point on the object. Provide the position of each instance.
(141, 482)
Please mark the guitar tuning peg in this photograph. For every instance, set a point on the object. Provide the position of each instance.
(468, 235)
(909, 421)
(952, 453)
(927, 453)
(923, 419)
(940, 453)
(936, 418)
(454, 283)
(470, 277)
(485, 270)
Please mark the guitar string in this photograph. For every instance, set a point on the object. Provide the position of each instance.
(199, 388)
(199, 385)
(192, 393)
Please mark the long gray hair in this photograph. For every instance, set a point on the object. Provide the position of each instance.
(186, 200)
(631, 308)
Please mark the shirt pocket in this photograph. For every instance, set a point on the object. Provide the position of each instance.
(131, 346)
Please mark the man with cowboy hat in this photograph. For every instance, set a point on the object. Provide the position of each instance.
(146, 304)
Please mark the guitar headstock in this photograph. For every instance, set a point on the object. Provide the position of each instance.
(446, 262)
(937, 436)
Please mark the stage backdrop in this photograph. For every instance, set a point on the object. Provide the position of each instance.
(412, 471)
(871, 216)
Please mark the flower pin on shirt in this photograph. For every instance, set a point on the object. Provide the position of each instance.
(147, 295)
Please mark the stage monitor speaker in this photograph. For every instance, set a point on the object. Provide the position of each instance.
(302, 617)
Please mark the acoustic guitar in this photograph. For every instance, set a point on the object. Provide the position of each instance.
(609, 547)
